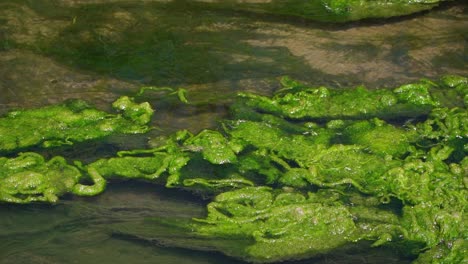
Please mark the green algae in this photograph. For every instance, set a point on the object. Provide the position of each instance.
(298, 102)
(71, 122)
(358, 9)
(392, 185)
(334, 10)
(29, 178)
(340, 175)
(270, 224)
(380, 137)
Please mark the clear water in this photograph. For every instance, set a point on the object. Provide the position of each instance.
(98, 50)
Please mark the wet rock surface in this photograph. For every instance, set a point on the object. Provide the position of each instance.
(33, 80)
(169, 44)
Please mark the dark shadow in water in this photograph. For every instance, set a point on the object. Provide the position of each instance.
(355, 254)
(193, 255)
(77, 228)
(453, 59)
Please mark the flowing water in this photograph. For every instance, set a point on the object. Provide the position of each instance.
(98, 50)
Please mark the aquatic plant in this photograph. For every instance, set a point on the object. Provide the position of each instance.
(303, 173)
(71, 122)
(29, 178)
(330, 184)
(358, 9)
(291, 190)
(334, 10)
(297, 101)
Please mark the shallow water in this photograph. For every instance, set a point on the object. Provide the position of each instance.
(54, 50)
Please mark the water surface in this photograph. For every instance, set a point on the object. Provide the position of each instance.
(98, 50)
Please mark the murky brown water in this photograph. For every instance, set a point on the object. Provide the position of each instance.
(54, 50)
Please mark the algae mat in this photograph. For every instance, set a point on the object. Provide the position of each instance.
(55, 50)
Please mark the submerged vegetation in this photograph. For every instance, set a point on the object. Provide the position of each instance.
(332, 10)
(71, 122)
(29, 178)
(303, 173)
